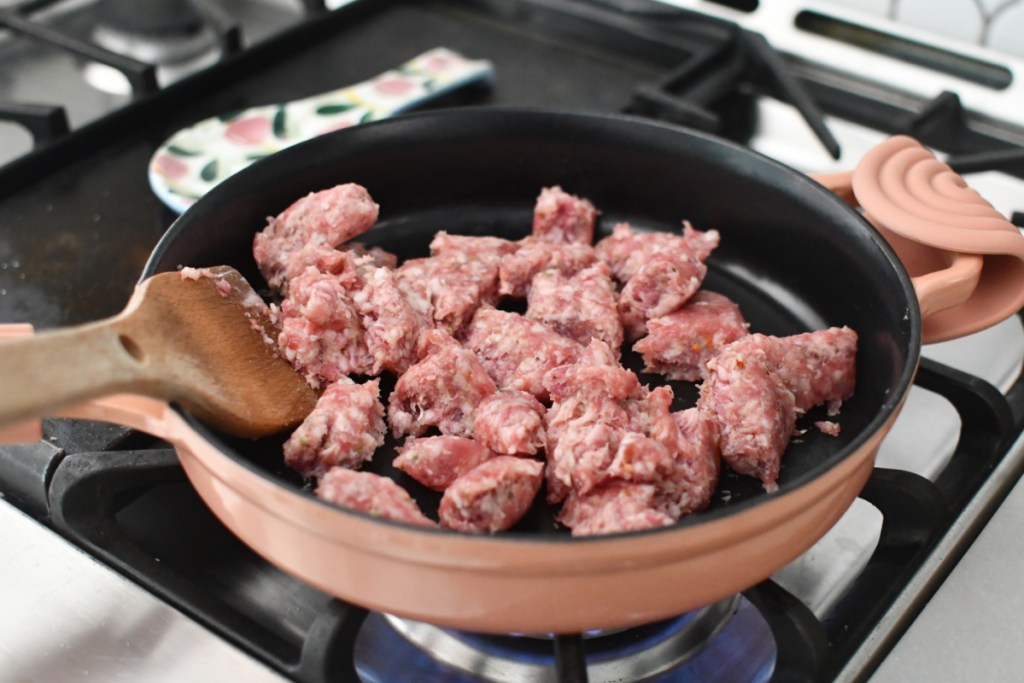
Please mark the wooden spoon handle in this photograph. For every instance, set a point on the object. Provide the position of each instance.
(48, 371)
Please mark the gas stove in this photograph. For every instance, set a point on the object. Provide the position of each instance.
(136, 578)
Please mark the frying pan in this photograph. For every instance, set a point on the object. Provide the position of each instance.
(794, 255)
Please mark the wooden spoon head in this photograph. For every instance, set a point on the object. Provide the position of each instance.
(210, 336)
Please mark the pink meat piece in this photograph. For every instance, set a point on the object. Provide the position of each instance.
(442, 390)
(596, 372)
(468, 247)
(614, 508)
(323, 219)
(437, 461)
(391, 325)
(640, 459)
(675, 452)
(700, 431)
(818, 367)
(331, 260)
(680, 344)
(517, 270)
(664, 465)
(344, 429)
(584, 447)
(449, 288)
(587, 419)
(510, 423)
(322, 258)
(321, 332)
(626, 250)
(753, 409)
(581, 306)
(516, 351)
(372, 494)
(379, 257)
(828, 427)
(493, 496)
(560, 217)
(660, 286)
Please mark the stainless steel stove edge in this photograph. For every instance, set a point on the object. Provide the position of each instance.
(936, 568)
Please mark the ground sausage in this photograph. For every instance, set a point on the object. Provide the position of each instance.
(703, 458)
(493, 496)
(447, 289)
(597, 372)
(516, 351)
(378, 256)
(437, 461)
(517, 270)
(586, 420)
(660, 286)
(560, 217)
(469, 247)
(510, 423)
(614, 508)
(626, 250)
(680, 344)
(344, 429)
(322, 219)
(675, 452)
(391, 325)
(754, 410)
(581, 306)
(441, 390)
(372, 494)
(336, 260)
(321, 331)
(818, 367)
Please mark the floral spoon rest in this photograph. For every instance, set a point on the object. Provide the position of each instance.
(195, 159)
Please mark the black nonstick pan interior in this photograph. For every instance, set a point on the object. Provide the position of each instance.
(792, 255)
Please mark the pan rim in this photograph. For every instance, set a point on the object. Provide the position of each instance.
(891, 403)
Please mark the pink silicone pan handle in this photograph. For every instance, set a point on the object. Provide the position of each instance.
(965, 259)
(941, 278)
(145, 414)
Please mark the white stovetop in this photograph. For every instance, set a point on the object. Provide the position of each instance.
(973, 628)
(66, 617)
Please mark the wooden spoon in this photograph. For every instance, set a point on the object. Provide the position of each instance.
(201, 338)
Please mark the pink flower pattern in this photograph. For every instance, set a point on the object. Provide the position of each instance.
(248, 131)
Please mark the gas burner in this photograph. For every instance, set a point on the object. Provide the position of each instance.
(172, 35)
(683, 648)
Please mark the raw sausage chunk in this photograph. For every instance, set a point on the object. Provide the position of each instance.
(517, 270)
(321, 333)
(437, 461)
(563, 218)
(754, 410)
(659, 287)
(627, 250)
(372, 494)
(581, 307)
(448, 289)
(321, 220)
(680, 344)
(516, 351)
(510, 423)
(344, 429)
(614, 508)
(493, 496)
(441, 390)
